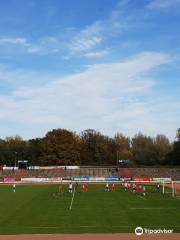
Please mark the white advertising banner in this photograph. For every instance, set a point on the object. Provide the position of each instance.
(38, 180)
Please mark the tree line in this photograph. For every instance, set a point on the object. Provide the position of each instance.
(90, 147)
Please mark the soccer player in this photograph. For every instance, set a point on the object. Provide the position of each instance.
(14, 187)
(107, 187)
(144, 191)
(140, 188)
(86, 186)
(83, 188)
(113, 187)
(158, 187)
(70, 187)
(61, 188)
(129, 186)
(134, 188)
(126, 186)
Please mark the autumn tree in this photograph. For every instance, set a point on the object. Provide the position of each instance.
(60, 147)
(12, 149)
(63, 147)
(174, 156)
(123, 147)
(34, 151)
(3, 153)
(162, 147)
(97, 149)
(143, 150)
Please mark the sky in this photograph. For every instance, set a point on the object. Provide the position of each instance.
(109, 65)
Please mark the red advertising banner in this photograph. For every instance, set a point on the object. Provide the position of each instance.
(9, 180)
(141, 179)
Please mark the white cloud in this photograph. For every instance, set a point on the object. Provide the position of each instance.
(34, 49)
(100, 30)
(97, 54)
(45, 45)
(109, 97)
(15, 41)
(163, 4)
(20, 77)
(86, 38)
(74, 41)
(41, 46)
(83, 43)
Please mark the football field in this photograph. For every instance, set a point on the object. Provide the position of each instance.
(41, 209)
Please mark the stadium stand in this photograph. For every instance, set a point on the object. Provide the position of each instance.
(174, 173)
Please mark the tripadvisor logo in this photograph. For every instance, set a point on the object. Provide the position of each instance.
(139, 231)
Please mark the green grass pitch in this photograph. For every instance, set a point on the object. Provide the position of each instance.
(39, 209)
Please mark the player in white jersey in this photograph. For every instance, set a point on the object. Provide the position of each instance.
(107, 187)
(144, 190)
(14, 187)
(125, 186)
(70, 188)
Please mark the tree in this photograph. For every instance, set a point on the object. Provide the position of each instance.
(162, 148)
(123, 147)
(13, 149)
(63, 147)
(143, 150)
(60, 147)
(89, 150)
(174, 156)
(97, 149)
(2, 152)
(34, 151)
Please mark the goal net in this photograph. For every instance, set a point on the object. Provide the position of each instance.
(172, 188)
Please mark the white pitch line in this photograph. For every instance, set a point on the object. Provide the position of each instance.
(142, 197)
(153, 208)
(112, 226)
(70, 207)
(125, 226)
(44, 227)
(87, 226)
(82, 226)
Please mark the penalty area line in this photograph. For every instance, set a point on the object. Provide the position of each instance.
(70, 207)
(141, 197)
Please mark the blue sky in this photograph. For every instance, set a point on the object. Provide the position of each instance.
(111, 65)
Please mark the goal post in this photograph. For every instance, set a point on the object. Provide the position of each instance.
(163, 188)
(172, 188)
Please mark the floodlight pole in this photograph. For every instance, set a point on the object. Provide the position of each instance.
(173, 193)
(163, 187)
(15, 159)
(117, 152)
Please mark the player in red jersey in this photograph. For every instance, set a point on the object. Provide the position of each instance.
(140, 188)
(113, 187)
(83, 187)
(61, 188)
(86, 186)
